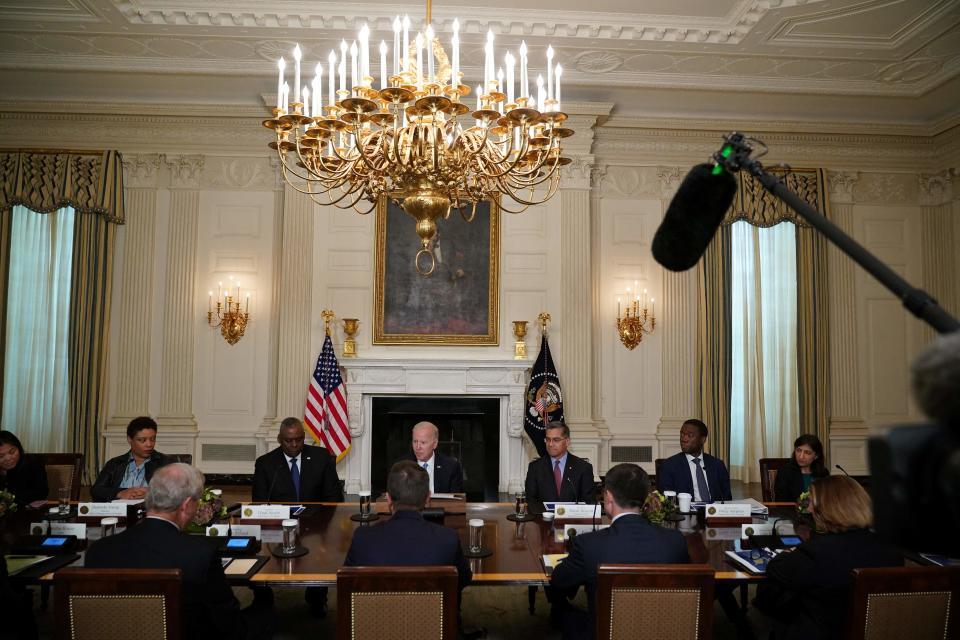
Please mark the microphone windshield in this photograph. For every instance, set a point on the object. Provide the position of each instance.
(693, 217)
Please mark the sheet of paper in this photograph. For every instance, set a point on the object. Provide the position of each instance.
(551, 560)
(240, 566)
(16, 564)
(445, 496)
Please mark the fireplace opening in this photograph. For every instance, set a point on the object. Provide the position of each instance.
(469, 431)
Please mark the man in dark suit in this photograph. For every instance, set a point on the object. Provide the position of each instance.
(446, 474)
(693, 471)
(630, 539)
(210, 608)
(295, 472)
(406, 539)
(561, 476)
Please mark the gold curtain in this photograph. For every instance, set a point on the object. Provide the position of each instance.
(757, 206)
(91, 183)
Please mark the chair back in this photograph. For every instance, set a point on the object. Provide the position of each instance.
(904, 602)
(768, 476)
(656, 472)
(63, 470)
(185, 458)
(663, 601)
(397, 602)
(113, 604)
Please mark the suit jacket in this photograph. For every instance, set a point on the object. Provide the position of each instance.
(789, 484)
(406, 539)
(319, 482)
(209, 606)
(27, 481)
(577, 484)
(107, 485)
(447, 472)
(675, 476)
(818, 574)
(629, 540)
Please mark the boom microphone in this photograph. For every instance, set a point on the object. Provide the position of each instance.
(693, 217)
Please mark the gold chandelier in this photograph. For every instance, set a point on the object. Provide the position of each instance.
(413, 139)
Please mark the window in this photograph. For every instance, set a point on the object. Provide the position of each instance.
(764, 406)
(35, 377)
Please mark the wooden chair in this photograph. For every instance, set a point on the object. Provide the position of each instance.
(664, 601)
(397, 602)
(768, 476)
(63, 470)
(656, 471)
(185, 458)
(108, 604)
(904, 602)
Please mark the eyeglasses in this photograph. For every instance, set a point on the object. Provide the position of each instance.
(554, 440)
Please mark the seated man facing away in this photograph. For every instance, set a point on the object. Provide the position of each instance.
(560, 476)
(446, 474)
(693, 471)
(629, 539)
(406, 539)
(210, 608)
(128, 475)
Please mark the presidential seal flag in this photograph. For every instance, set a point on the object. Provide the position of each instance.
(326, 412)
(544, 399)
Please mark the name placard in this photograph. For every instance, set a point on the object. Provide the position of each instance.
(722, 533)
(100, 509)
(218, 530)
(747, 530)
(265, 511)
(252, 530)
(570, 511)
(60, 529)
(728, 510)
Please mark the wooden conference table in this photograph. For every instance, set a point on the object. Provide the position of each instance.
(326, 531)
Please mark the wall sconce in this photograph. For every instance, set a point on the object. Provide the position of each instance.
(632, 322)
(231, 321)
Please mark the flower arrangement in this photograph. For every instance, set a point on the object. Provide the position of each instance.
(657, 507)
(803, 504)
(8, 502)
(210, 507)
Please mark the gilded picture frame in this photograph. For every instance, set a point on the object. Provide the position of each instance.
(458, 304)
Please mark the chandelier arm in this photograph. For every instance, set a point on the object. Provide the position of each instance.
(512, 192)
(358, 146)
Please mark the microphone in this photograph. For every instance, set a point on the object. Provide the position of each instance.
(844, 471)
(693, 217)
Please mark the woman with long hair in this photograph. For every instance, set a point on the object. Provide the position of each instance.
(20, 474)
(806, 465)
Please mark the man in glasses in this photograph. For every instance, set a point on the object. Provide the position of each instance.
(560, 476)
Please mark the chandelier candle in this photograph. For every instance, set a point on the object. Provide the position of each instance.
(413, 137)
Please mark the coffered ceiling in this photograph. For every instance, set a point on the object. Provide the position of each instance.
(873, 61)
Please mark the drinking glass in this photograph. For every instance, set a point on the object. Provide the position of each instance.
(108, 527)
(476, 535)
(364, 504)
(289, 535)
(684, 499)
(63, 493)
(521, 507)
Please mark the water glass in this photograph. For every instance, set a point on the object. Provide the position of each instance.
(289, 535)
(364, 504)
(108, 527)
(476, 535)
(63, 494)
(671, 497)
(521, 508)
(684, 499)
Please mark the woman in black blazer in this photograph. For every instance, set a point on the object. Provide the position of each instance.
(21, 475)
(814, 579)
(806, 465)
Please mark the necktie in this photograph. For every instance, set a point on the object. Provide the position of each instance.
(295, 476)
(425, 465)
(702, 482)
(557, 476)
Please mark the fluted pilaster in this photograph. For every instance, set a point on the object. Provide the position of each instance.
(179, 308)
(296, 276)
(599, 423)
(270, 413)
(939, 247)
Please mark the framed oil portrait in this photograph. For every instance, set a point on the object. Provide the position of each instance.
(458, 303)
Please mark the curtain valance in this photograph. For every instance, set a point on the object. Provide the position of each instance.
(761, 208)
(46, 181)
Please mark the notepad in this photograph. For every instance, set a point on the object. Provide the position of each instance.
(240, 566)
(16, 564)
(551, 560)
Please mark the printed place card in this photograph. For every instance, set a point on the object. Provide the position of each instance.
(100, 509)
(252, 530)
(747, 530)
(265, 511)
(576, 511)
(60, 529)
(218, 530)
(728, 510)
(722, 533)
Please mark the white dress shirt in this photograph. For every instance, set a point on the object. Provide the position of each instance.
(430, 468)
(693, 476)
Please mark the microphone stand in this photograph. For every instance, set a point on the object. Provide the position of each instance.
(735, 155)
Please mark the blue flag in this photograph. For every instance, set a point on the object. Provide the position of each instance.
(544, 398)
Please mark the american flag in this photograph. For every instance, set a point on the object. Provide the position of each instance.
(326, 412)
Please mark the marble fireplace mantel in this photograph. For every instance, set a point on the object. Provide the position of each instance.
(368, 377)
